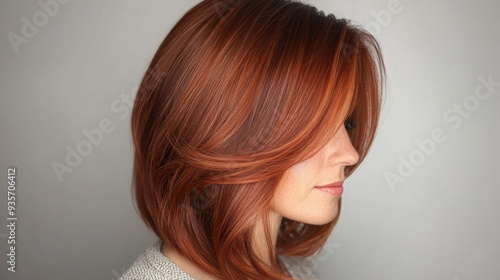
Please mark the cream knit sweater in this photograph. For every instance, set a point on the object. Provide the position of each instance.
(153, 265)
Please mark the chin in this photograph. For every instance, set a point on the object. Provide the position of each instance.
(322, 221)
(321, 216)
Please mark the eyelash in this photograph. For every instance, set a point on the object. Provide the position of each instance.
(349, 124)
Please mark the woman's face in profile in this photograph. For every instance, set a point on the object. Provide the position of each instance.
(297, 197)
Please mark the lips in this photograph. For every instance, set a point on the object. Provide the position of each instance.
(335, 189)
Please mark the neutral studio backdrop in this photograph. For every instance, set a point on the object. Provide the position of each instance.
(424, 204)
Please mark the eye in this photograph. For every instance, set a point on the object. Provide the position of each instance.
(349, 124)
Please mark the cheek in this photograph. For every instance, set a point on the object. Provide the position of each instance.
(306, 171)
(296, 199)
(299, 179)
(304, 204)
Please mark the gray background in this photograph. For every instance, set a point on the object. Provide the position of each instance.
(439, 221)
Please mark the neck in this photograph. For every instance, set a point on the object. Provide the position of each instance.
(260, 244)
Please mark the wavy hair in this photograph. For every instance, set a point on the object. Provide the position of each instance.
(236, 94)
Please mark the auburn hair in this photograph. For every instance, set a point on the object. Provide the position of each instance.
(236, 94)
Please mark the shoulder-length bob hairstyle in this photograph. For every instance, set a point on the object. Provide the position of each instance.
(236, 94)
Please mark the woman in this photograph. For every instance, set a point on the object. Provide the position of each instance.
(251, 115)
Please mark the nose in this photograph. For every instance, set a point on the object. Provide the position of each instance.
(341, 151)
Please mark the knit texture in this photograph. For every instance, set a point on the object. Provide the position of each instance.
(153, 265)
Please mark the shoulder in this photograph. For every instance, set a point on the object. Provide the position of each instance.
(300, 268)
(153, 265)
